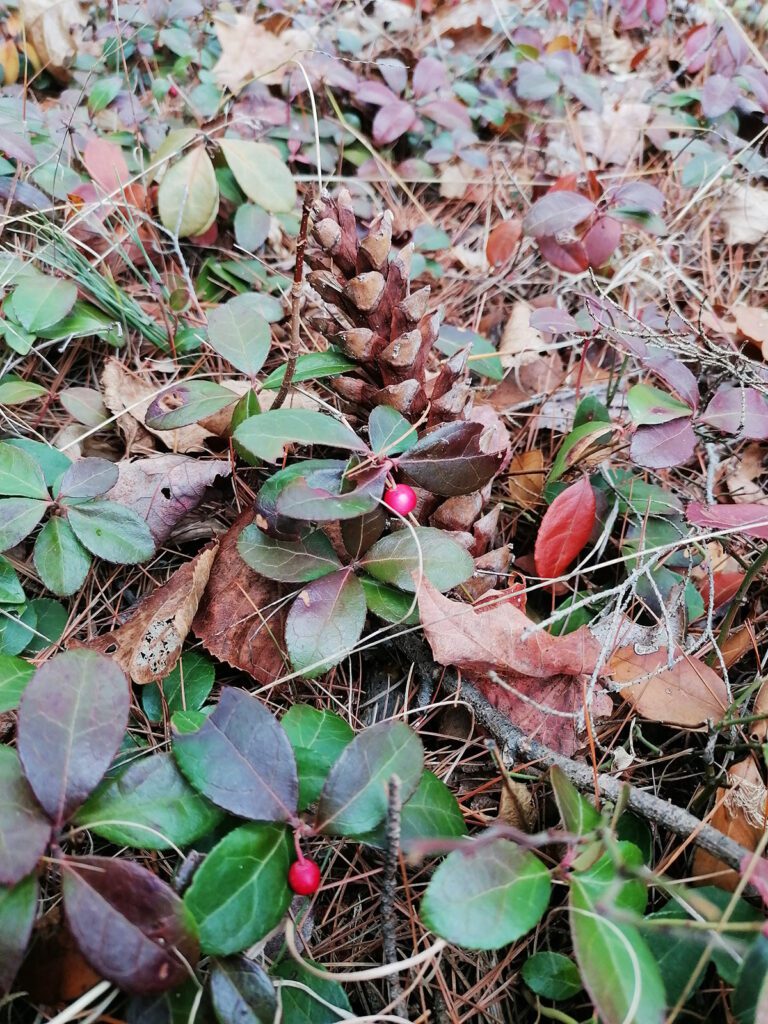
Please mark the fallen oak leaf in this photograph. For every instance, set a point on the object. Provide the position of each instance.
(164, 488)
(250, 51)
(149, 644)
(241, 620)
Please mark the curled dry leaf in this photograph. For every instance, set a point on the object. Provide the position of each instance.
(163, 489)
(689, 694)
(249, 50)
(54, 28)
(149, 644)
(517, 806)
(241, 620)
(525, 480)
(739, 813)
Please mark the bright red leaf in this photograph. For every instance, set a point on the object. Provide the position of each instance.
(565, 529)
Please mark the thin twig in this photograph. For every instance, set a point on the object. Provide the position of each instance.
(389, 890)
(298, 277)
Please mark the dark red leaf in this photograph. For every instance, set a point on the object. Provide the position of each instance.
(663, 445)
(375, 93)
(503, 241)
(392, 121)
(129, 925)
(601, 241)
(451, 460)
(737, 410)
(448, 114)
(72, 718)
(749, 518)
(241, 759)
(565, 529)
(570, 257)
(555, 212)
(727, 585)
(24, 829)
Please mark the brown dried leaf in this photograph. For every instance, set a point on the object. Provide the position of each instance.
(741, 476)
(54, 28)
(752, 322)
(759, 730)
(249, 50)
(739, 814)
(745, 215)
(689, 694)
(517, 807)
(241, 620)
(163, 489)
(519, 341)
(526, 478)
(149, 644)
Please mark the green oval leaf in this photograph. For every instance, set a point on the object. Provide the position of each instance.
(71, 721)
(18, 518)
(15, 673)
(432, 812)
(241, 992)
(388, 603)
(39, 302)
(149, 805)
(185, 688)
(395, 558)
(20, 475)
(265, 436)
(325, 622)
(329, 493)
(24, 829)
(552, 975)
(87, 478)
(187, 403)
(299, 1005)
(487, 897)
(311, 366)
(15, 391)
(240, 891)
(238, 331)
(11, 590)
(17, 916)
(648, 404)
(317, 738)
(287, 561)
(390, 432)
(241, 759)
(60, 559)
(354, 798)
(577, 814)
(111, 531)
(188, 197)
(261, 173)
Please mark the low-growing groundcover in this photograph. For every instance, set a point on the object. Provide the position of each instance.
(382, 512)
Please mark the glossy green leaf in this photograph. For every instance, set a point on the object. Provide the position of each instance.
(332, 493)
(261, 173)
(241, 759)
(265, 436)
(584, 439)
(15, 673)
(252, 225)
(311, 366)
(188, 197)
(287, 561)
(187, 403)
(482, 355)
(240, 892)
(677, 951)
(576, 813)
(111, 531)
(17, 916)
(149, 805)
(39, 302)
(354, 798)
(750, 996)
(487, 897)
(18, 518)
(88, 478)
(16, 628)
(185, 688)
(238, 331)
(72, 719)
(552, 976)
(432, 812)
(60, 559)
(299, 1005)
(241, 992)
(50, 622)
(325, 622)
(399, 557)
(24, 828)
(648, 405)
(390, 433)
(390, 604)
(20, 475)
(617, 968)
(11, 590)
(52, 462)
(15, 391)
(317, 738)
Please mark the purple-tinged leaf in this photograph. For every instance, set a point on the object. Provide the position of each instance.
(555, 212)
(24, 829)
(429, 75)
(554, 321)
(17, 916)
(394, 72)
(663, 445)
(289, 561)
(639, 195)
(570, 257)
(17, 148)
(718, 96)
(737, 410)
(187, 403)
(87, 478)
(674, 373)
(602, 240)
(72, 718)
(320, 495)
(448, 114)
(375, 93)
(749, 517)
(586, 89)
(241, 759)
(325, 622)
(392, 121)
(758, 83)
(18, 518)
(451, 460)
(129, 925)
(354, 797)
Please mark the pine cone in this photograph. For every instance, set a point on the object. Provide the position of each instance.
(371, 314)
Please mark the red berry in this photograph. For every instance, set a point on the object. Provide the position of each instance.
(401, 498)
(304, 877)
(173, 91)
